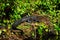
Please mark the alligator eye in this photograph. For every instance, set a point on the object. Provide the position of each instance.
(28, 21)
(37, 20)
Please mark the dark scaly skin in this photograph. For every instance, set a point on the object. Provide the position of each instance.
(31, 19)
(25, 19)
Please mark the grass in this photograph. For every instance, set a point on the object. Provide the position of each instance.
(11, 11)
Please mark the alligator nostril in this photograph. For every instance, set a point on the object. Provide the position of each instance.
(36, 20)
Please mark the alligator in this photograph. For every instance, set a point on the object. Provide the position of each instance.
(30, 19)
(33, 19)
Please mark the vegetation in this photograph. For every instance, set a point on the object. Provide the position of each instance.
(13, 10)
